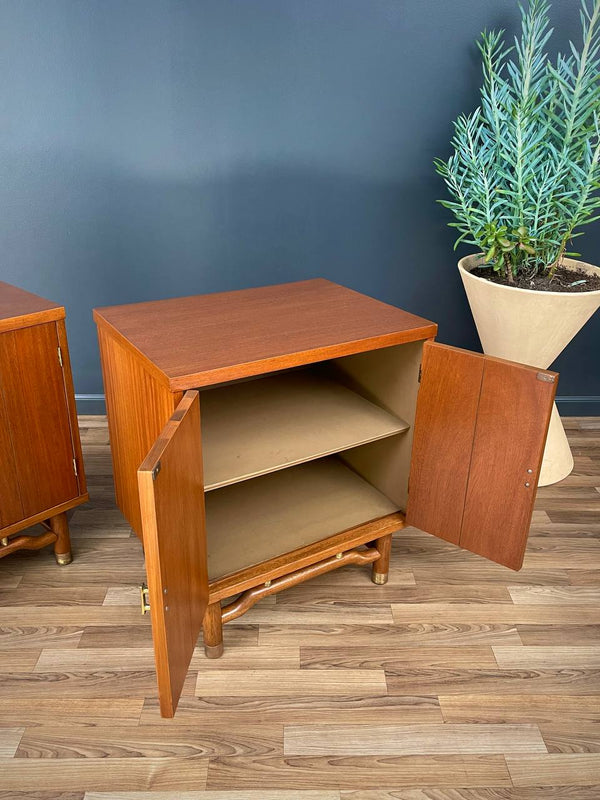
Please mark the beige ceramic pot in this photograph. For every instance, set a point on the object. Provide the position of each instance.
(532, 328)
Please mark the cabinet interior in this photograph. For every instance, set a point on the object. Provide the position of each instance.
(303, 454)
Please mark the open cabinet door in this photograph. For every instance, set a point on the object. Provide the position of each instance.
(479, 437)
(172, 505)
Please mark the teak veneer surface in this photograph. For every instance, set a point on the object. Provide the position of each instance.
(287, 325)
(19, 308)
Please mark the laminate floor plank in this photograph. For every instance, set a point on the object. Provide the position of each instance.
(442, 634)
(555, 595)
(560, 635)
(405, 740)
(521, 681)
(82, 774)
(578, 769)
(150, 741)
(512, 793)
(396, 659)
(365, 710)
(252, 794)
(120, 658)
(71, 711)
(284, 682)
(497, 612)
(571, 737)
(520, 708)
(433, 593)
(549, 657)
(18, 660)
(344, 772)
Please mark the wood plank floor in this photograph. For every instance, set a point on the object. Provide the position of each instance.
(458, 680)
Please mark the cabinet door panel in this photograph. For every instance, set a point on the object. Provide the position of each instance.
(512, 423)
(34, 395)
(443, 441)
(172, 504)
(11, 509)
(481, 423)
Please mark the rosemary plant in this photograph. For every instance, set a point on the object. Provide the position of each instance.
(525, 169)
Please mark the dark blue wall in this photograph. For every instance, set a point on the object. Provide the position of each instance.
(154, 148)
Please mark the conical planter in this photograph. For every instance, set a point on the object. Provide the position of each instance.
(531, 327)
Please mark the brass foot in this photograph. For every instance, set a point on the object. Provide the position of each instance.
(63, 558)
(216, 651)
(379, 578)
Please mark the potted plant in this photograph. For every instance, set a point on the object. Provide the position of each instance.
(524, 179)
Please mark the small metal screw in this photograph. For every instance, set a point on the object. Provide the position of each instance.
(527, 484)
(165, 591)
(267, 584)
(166, 608)
(338, 555)
(530, 471)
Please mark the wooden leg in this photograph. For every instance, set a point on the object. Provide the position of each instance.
(381, 567)
(62, 546)
(212, 628)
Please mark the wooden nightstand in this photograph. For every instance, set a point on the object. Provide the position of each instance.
(317, 404)
(42, 473)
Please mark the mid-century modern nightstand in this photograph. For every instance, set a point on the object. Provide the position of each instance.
(264, 436)
(41, 475)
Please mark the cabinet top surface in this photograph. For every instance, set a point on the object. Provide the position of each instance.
(19, 308)
(207, 339)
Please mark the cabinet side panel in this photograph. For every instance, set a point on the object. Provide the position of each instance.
(34, 394)
(389, 378)
(443, 439)
(138, 407)
(11, 508)
(512, 424)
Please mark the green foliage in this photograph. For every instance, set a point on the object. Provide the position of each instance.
(525, 169)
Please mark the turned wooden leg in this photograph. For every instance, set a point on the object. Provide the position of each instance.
(62, 546)
(381, 567)
(212, 628)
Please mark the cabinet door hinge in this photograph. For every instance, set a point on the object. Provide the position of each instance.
(60, 360)
(75, 468)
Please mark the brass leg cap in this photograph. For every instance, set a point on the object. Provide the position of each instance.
(214, 651)
(63, 558)
(379, 578)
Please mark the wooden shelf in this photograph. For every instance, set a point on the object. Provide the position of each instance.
(257, 520)
(261, 426)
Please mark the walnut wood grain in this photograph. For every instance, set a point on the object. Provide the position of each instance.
(321, 320)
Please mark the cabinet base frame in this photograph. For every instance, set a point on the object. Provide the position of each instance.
(377, 554)
(57, 533)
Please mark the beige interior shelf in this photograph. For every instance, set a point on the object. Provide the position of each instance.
(260, 426)
(256, 520)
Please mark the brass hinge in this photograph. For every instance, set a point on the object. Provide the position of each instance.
(75, 468)
(144, 598)
(60, 361)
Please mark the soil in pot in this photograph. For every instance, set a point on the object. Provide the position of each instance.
(564, 280)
